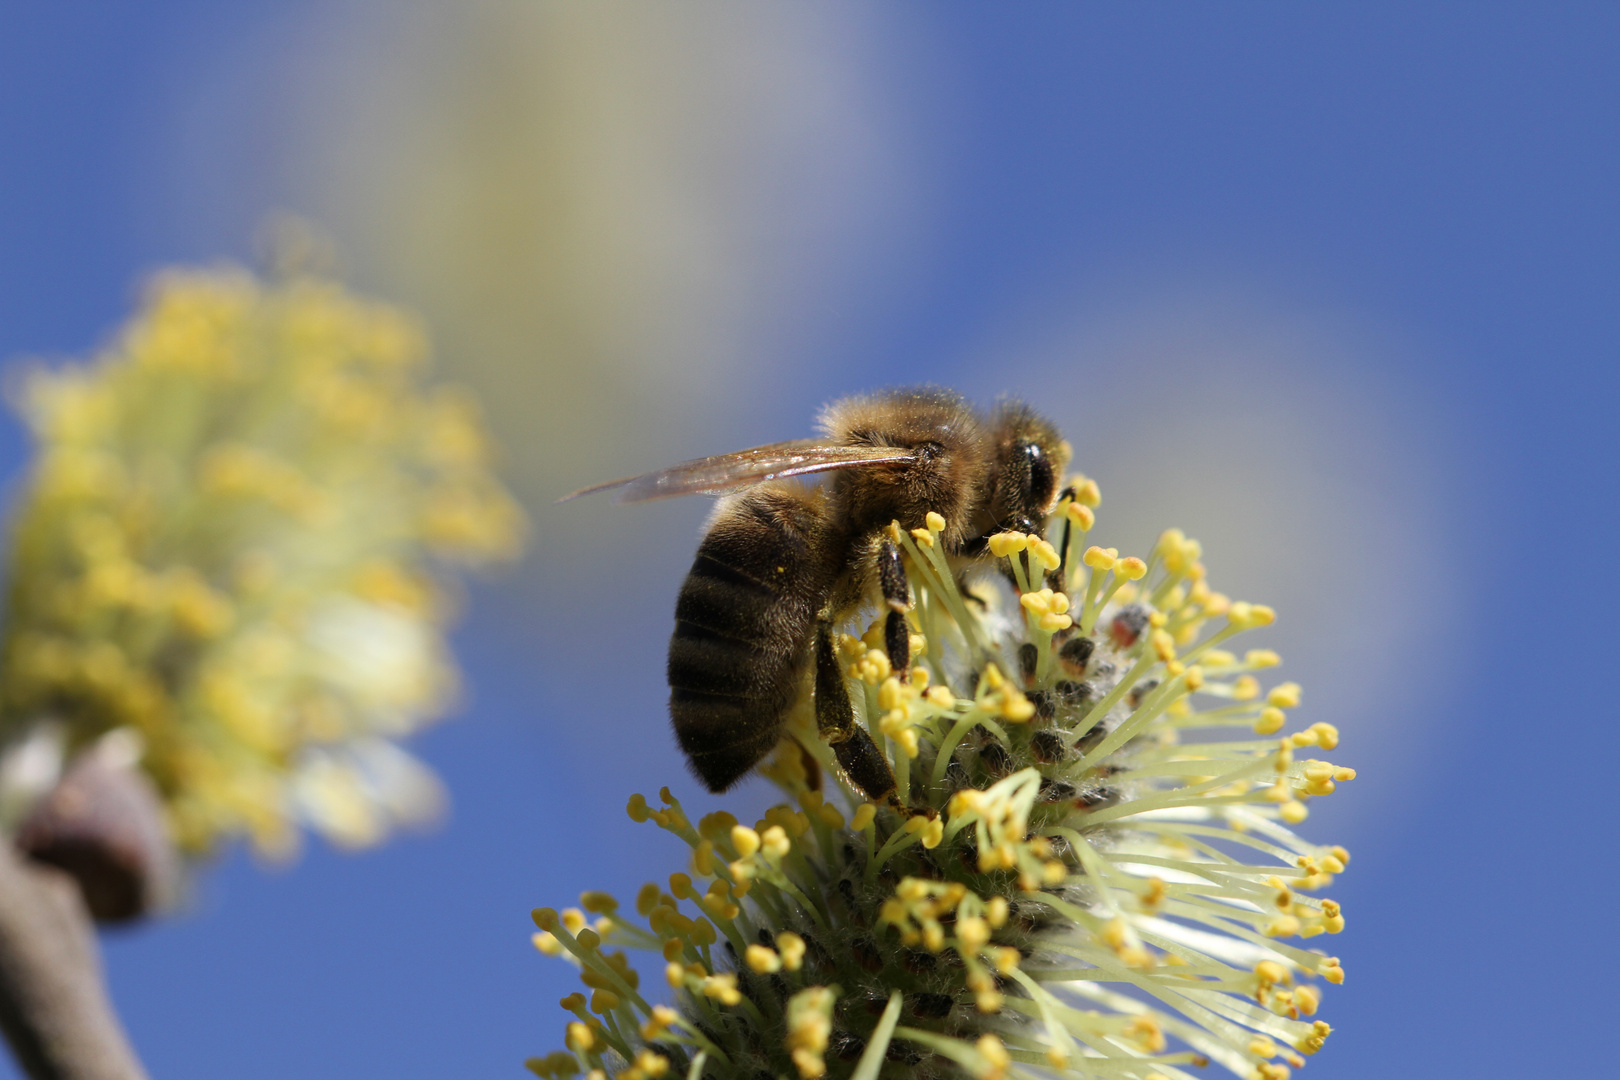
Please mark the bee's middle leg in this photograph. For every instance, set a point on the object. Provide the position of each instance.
(835, 717)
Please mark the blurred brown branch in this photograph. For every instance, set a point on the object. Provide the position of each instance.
(53, 1005)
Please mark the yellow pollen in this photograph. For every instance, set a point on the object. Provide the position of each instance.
(1099, 559)
(745, 840)
(935, 522)
(1284, 695)
(762, 960)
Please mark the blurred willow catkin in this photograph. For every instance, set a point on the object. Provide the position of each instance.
(226, 554)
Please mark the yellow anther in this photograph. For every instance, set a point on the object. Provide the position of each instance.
(1008, 543)
(1246, 688)
(573, 1002)
(935, 522)
(940, 697)
(579, 1038)
(653, 1065)
(1282, 926)
(1270, 722)
(680, 887)
(863, 816)
(1087, 493)
(1099, 559)
(1131, 568)
(790, 947)
(1331, 864)
(1081, 515)
(547, 943)
(662, 1019)
(775, 842)
(1164, 646)
(923, 537)
(973, 932)
(599, 902)
(573, 919)
(996, 912)
(1307, 1000)
(1293, 811)
(933, 833)
(1311, 1043)
(1146, 1032)
(723, 988)
(1327, 736)
(762, 960)
(1261, 658)
(1284, 695)
(637, 808)
(745, 840)
(1046, 554)
(703, 858)
(1270, 1070)
(1015, 707)
(604, 1001)
(1195, 677)
(647, 898)
(1271, 973)
(1331, 970)
(997, 1060)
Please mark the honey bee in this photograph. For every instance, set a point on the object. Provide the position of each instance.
(783, 563)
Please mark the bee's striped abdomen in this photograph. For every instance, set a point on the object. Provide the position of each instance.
(742, 624)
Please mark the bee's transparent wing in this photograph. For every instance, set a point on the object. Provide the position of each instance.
(730, 472)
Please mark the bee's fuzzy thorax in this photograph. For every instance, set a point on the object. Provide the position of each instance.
(949, 480)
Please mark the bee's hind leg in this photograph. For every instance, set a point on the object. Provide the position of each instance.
(860, 757)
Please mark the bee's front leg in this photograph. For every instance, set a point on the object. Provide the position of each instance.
(897, 595)
(860, 757)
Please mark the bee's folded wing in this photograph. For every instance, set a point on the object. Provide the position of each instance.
(730, 472)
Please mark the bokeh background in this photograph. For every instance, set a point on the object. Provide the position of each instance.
(1337, 290)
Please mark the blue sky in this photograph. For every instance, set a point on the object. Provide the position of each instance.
(1370, 254)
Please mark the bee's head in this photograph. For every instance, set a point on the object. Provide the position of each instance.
(1030, 461)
